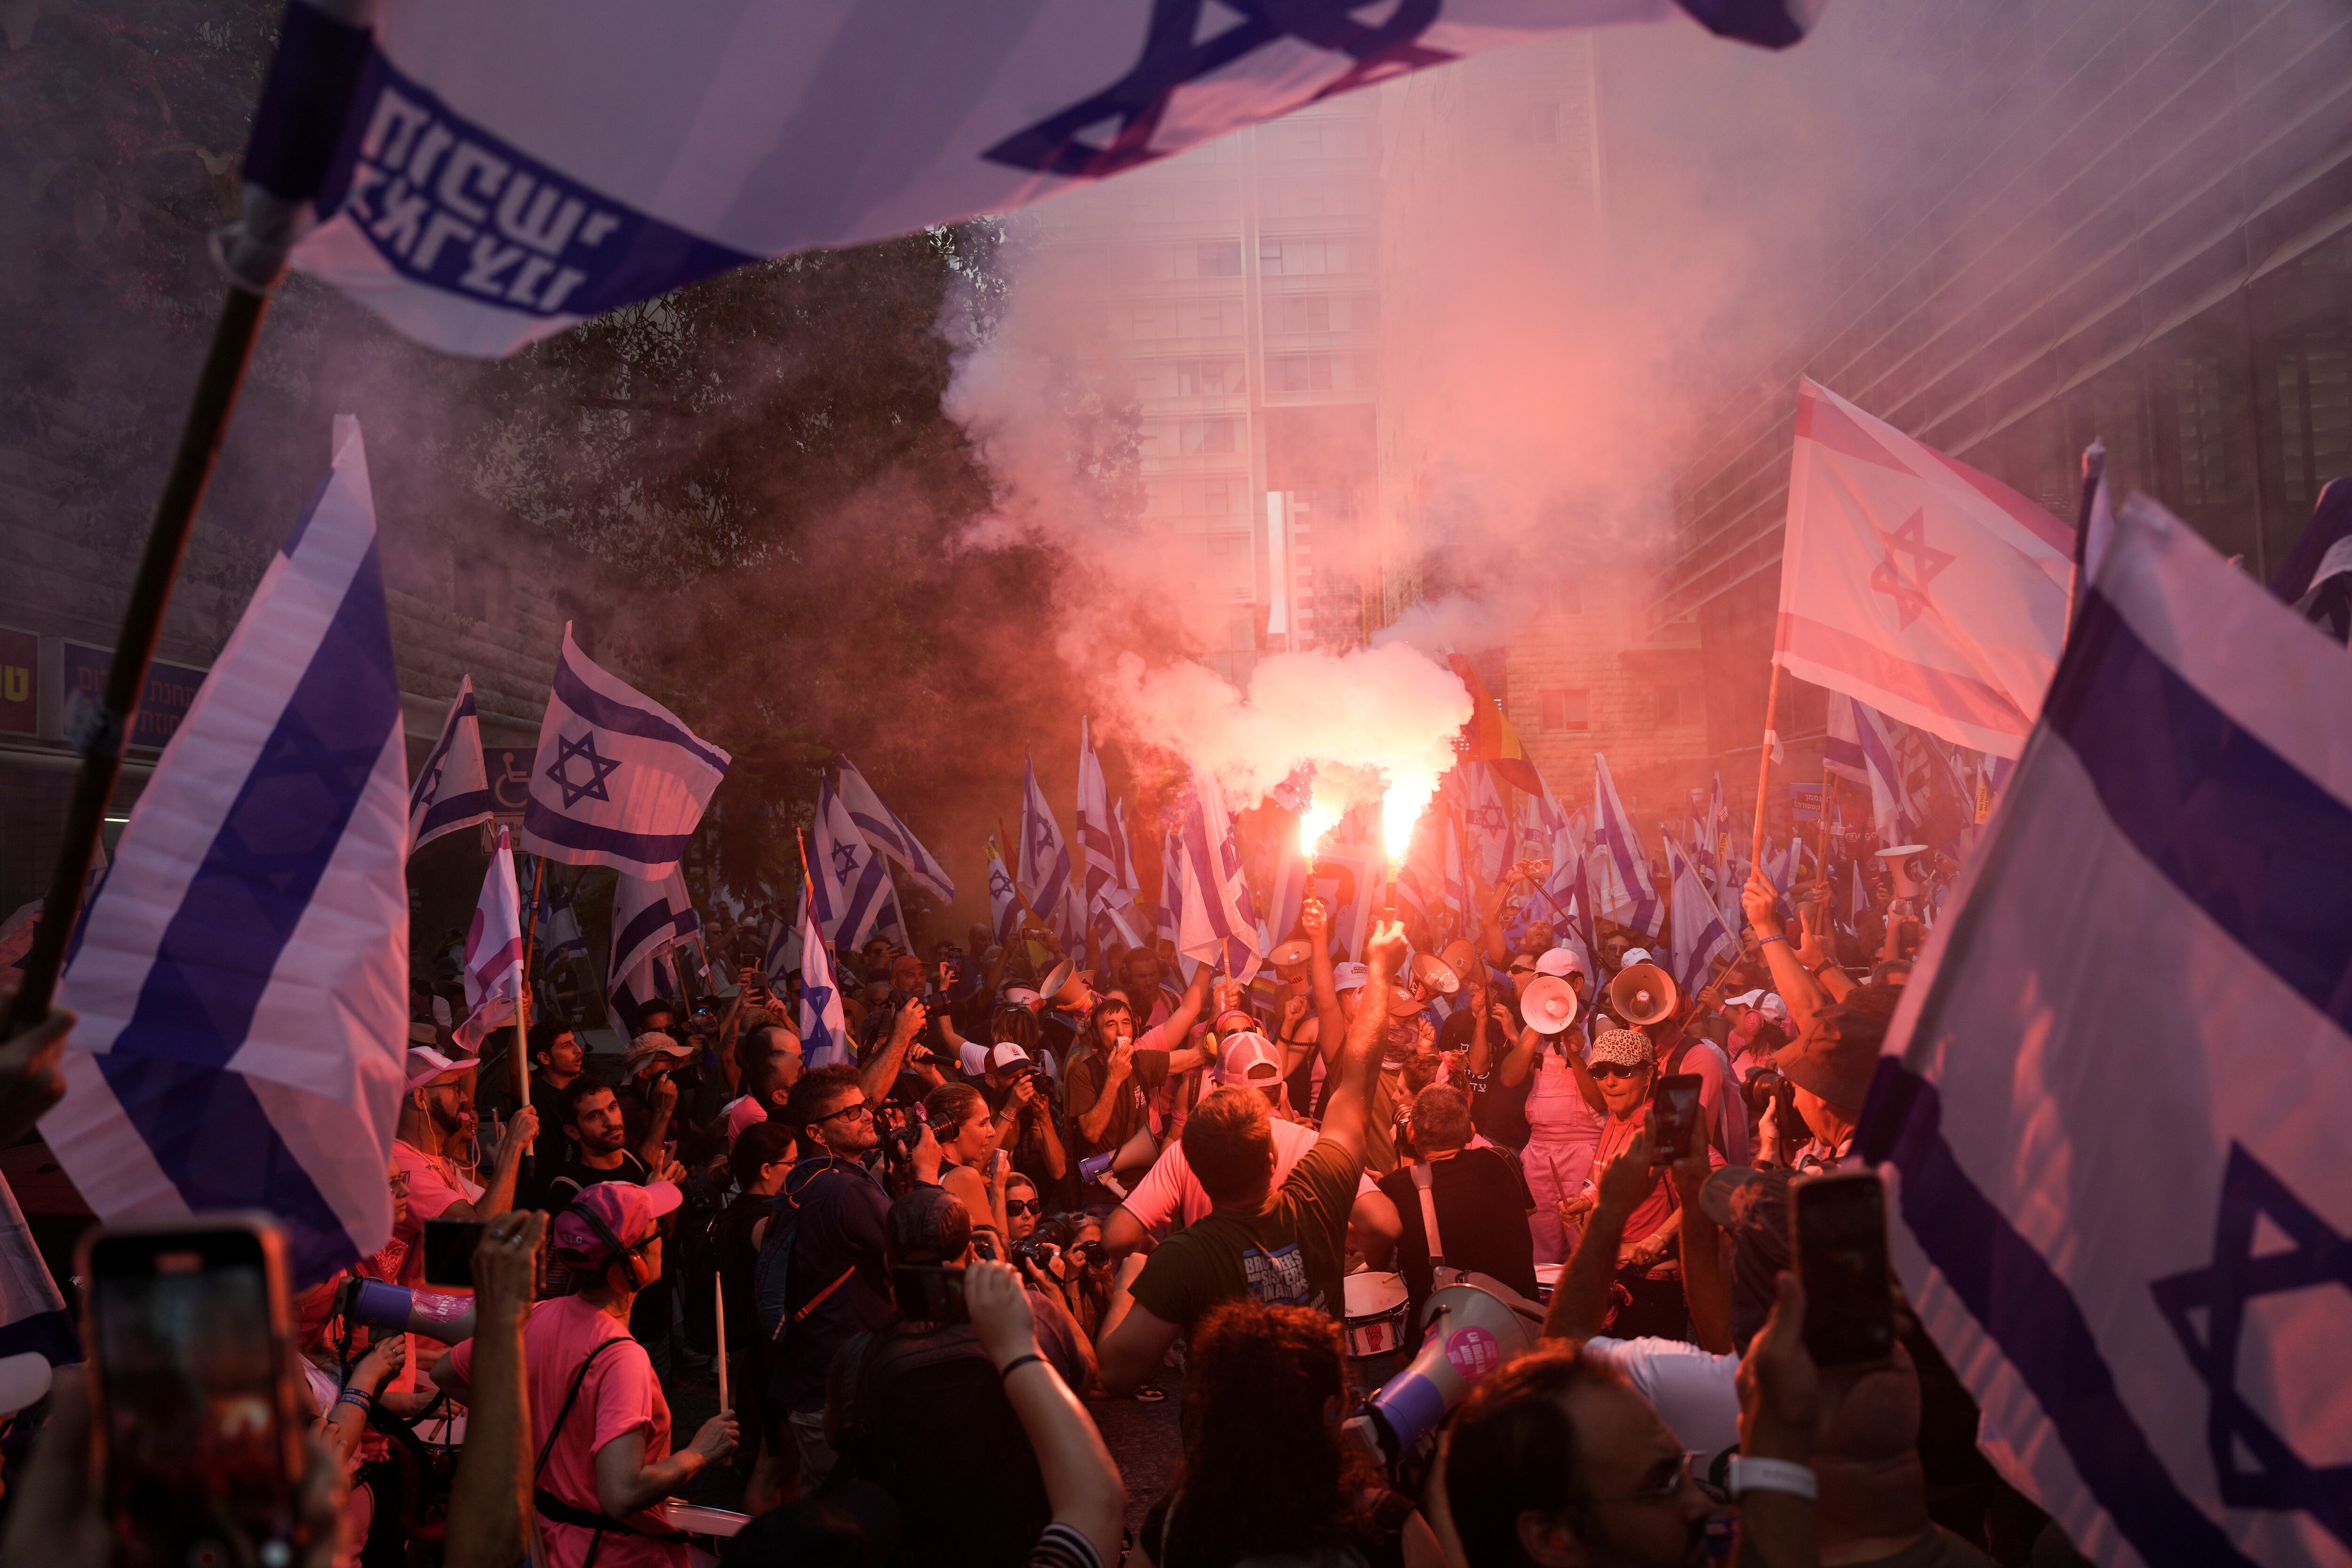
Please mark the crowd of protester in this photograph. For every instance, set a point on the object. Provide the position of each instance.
(1043, 1183)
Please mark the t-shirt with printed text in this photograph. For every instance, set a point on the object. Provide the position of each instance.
(1288, 1253)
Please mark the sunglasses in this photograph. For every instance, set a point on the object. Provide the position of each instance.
(1023, 1205)
(1615, 1069)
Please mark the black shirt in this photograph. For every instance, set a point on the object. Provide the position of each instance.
(837, 1254)
(1482, 1203)
(565, 1184)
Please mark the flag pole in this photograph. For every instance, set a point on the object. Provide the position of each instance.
(1764, 765)
(135, 649)
(522, 1070)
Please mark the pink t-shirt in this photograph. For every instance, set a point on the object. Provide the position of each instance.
(742, 1113)
(1170, 1194)
(620, 1396)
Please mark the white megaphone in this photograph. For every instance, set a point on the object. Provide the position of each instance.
(1642, 994)
(1470, 1330)
(448, 1318)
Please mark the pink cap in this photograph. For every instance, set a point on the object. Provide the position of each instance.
(626, 1209)
(427, 1065)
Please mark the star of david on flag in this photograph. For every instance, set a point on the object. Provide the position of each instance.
(888, 837)
(453, 788)
(2113, 1100)
(619, 780)
(1043, 869)
(852, 885)
(825, 1032)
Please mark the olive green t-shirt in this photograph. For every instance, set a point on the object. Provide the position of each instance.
(1289, 1255)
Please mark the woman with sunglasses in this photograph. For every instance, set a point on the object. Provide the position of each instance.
(1647, 1273)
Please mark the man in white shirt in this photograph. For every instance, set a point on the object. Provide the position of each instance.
(1170, 1195)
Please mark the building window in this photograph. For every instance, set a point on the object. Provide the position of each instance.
(1208, 377)
(2316, 418)
(1302, 373)
(1681, 705)
(1221, 258)
(1221, 496)
(1142, 322)
(1307, 313)
(1563, 709)
(2204, 439)
(1212, 435)
(1302, 257)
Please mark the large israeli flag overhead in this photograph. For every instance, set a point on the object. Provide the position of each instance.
(243, 976)
(619, 780)
(482, 172)
(453, 788)
(2114, 1098)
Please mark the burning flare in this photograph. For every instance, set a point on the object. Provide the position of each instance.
(1401, 808)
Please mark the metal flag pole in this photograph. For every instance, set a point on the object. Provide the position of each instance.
(522, 1068)
(143, 622)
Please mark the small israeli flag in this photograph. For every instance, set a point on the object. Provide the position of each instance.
(243, 976)
(453, 788)
(1624, 892)
(619, 779)
(2114, 1098)
(825, 1036)
(493, 951)
(649, 917)
(852, 884)
(1043, 863)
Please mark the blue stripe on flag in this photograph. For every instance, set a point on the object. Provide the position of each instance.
(222, 946)
(50, 1335)
(609, 714)
(456, 809)
(2244, 834)
(2027, 1310)
(651, 848)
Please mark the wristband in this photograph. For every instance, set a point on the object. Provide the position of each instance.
(1017, 1363)
(1776, 936)
(1750, 1475)
(358, 1396)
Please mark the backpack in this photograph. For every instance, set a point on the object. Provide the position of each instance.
(771, 1275)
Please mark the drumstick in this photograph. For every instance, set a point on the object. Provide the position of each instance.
(719, 1299)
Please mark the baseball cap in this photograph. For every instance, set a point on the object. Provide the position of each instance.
(1248, 1059)
(1005, 1053)
(1626, 1048)
(421, 1033)
(1348, 976)
(1639, 955)
(627, 1212)
(1021, 996)
(427, 1065)
(1563, 962)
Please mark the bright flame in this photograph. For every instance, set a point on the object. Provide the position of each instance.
(1401, 808)
(1314, 823)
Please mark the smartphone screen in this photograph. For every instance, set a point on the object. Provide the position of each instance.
(1674, 1117)
(449, 1251)
(929, 1294)
(1838, 1236)
(196, 1410)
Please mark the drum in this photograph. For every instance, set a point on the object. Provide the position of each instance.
(1375, 1327)
(706, 1529)
(1547, 1279)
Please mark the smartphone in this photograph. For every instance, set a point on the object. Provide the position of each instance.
(1837, 1234)
(928, 1294)
(449, 1251)
(1673, 1117)
(199, 1428)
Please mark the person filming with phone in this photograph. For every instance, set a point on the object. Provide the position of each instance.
(600, 1424)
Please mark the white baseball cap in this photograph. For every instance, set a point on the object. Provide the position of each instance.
(1563, 962)
(1249, 1060)
(1021, 996)
(427, 1065)
(1639, 955)
(1348, 976)
(1005, 1053)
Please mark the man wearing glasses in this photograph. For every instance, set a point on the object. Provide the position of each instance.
(839, 1282)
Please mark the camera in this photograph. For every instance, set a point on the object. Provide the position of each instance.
(1037, 1250)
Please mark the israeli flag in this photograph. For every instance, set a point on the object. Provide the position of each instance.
(1217, 922)
(1043, 867)
(493, 951)
(1625, 892)
(2115, 1093)
(1004, 907)
(852, 885)
(1109, 895)
(619, 779)
(483, 172)
(453, 788)
(1863, 746)
(559, 935)
(649, 917)
(882, 830)
(243, 976)
(1699, 937)
(825, 1036)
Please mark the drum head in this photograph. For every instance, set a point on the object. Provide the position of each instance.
(1373, 1295)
